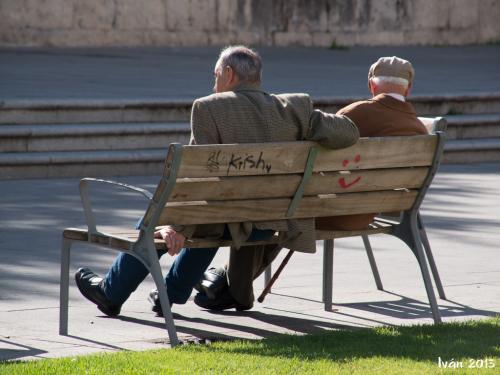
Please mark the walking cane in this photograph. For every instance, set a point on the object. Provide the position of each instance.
(266, 290)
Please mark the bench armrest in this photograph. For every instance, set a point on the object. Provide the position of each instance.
(87, 207)
(434, 124)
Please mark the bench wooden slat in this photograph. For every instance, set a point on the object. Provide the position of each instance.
(290, 157)
(284, 186)
(204, 212)
(122, 239)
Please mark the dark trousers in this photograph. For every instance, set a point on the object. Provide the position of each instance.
(127, 272)
(246, 264)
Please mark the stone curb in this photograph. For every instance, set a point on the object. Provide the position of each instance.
(75, 130)
(55, 104)
(82, 157)
(479, 144)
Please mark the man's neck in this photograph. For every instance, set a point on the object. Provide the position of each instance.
(247, 86)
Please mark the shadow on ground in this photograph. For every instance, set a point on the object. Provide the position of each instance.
(17, 350)
(477, 339)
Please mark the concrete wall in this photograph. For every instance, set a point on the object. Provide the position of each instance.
(262, 22)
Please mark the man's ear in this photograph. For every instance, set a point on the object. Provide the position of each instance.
(371, 87)
(231, 75)
(408, 88)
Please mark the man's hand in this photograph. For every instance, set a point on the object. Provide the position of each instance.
(173, 240)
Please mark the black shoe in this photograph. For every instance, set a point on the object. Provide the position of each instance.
(90, 286)
(214, 281)
(154, 299)
(224, 301)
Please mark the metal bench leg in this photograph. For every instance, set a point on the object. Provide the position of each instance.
(64, 286)
(327, 274)
(373, 264)
(409, 233)
(155, 270)
(426, 276)
(430, 257)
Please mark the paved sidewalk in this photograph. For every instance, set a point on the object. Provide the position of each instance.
(461, 213)
(186, 73)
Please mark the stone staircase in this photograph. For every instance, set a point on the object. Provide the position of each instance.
(85, 138)
(472, 138)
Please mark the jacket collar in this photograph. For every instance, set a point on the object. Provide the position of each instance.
(247, 87)
(390, 102)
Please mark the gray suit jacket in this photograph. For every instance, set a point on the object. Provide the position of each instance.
(249, 115)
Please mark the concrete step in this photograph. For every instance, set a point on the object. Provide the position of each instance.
(17, 165)
(118, 136)
(113, 111)
(473, 150)
(87, 138)
(432, 105)
(473, 126)
(90, 111)
(61, 137)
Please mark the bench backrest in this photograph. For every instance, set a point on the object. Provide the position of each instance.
(272, 181)
(434, 124)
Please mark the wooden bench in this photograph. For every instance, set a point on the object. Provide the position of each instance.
(388, 221)
(268, 181)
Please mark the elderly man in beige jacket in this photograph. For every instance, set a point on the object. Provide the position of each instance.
(238, 112)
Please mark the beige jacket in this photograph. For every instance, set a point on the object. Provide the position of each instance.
(249, 115)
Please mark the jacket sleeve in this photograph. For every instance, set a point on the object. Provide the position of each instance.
(203, 128)
(203, 131)
(331, 131)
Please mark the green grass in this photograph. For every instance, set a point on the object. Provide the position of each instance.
(385, 350)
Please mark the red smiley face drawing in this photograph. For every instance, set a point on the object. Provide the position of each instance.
(342, 182)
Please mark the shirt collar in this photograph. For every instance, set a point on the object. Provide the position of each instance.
(399, 97)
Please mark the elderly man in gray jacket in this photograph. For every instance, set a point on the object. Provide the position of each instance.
(238, 112)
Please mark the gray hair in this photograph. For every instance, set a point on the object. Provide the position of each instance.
(245, 62)
(393, 80)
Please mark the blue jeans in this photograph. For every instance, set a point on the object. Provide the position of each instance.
(127, 272)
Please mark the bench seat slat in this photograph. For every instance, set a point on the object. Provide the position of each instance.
(284, 186)
(122, 239)
(290, 157)
(205, 212)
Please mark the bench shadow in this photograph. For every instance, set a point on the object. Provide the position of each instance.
(409, 308)
(297, 325)
(22, 352)
(345, 343)
(96, 342)
(181, 330)
(419, 343)
(404, 308)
